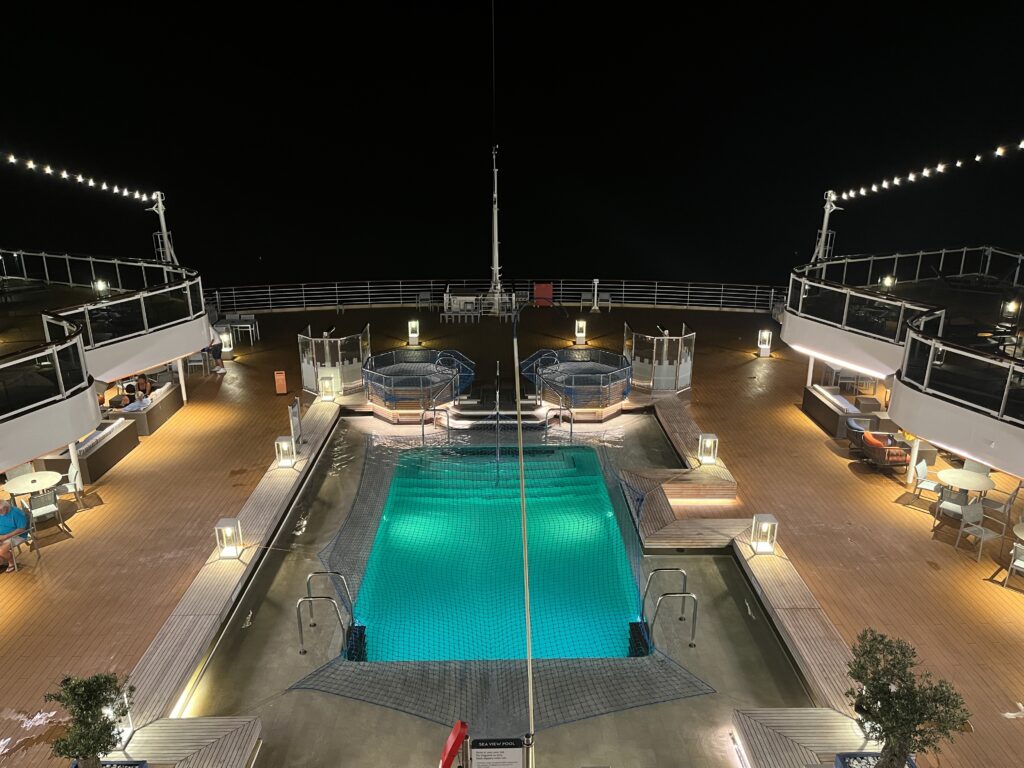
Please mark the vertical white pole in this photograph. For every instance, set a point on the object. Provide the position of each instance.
(181, 378)
(73, 453)
(159, 209)
(830, 205)
(810, 369)
(495, 266)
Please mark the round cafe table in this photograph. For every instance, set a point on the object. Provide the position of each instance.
(966, 480)
(33, 482)
(1018, 531)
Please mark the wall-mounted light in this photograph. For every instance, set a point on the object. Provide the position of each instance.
(229, 538)
(284, 447)
(707, 448)
(1011, 307)
(581, 332)
(327, 388)
(764, 343)
(763, 533)
(101, 287)
(887, 281)
(414, 333)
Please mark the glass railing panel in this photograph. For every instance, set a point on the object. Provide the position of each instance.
(27, 383)
(156, 276)
(81, 271)
(32, 264)
(917, 361)
(114, 321)
(107, 272)
(1015, 397)
(72, 367)
(824, 303)
(131, 277)
(869, 315)
(166, 307)
(58, 330)
(968, 379)
(195, 291)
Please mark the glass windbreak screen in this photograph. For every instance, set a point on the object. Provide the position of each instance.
(824, 303)
(968, 379)
(195, 291)
(81, 271)
(27, 383)
(917, 361)
(72, 372)
(114, 321)
(872, 316)
(1015, 397)
(166, 307)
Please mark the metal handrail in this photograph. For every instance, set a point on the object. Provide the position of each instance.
(298, 618)
(559, 409)
(309, 591)
(647, 587)
(423, 422)
(684, 596)
(915, 316)
(398, 293)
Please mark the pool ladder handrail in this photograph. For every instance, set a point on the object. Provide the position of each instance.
(434, 410)
(309, 592)
(559, 409)
(298, 619)
(693, 625)
(643, 602)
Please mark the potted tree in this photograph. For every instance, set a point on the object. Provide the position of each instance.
(95, 705)
(904, 710)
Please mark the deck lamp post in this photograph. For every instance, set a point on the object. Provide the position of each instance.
(594, 308)
(101, 287)
(229, 538)
(887, 282)
(581, 332)
(414, 333)
(284, 448)
(763, 532)
(764, 343)
(327, 393)
(707, 448)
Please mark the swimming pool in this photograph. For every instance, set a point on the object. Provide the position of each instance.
(444, 576)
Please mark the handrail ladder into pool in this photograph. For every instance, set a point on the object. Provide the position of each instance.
(647, 587)
(309, 591)
(434, 410)
(298, 619)
(684, 596)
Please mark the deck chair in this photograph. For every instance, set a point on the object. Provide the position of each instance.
(198, 360)
(1016, 562)
(45, 504)
(1004, 507)
(30, 538)
(71, 487)
(950, 503)
(923, 483)
(976, 466)
(972, 524)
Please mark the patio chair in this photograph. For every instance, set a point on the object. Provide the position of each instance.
(30, 539)
(883, 451)
(923, 483)
(198, 360)
(973, 524)
(1001, 507)
(45, 504)
(855, 429)
(976, 466)
(1016, 562)
(950, 503)
(71, 487)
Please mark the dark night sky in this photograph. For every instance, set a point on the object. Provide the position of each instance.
(633, 143)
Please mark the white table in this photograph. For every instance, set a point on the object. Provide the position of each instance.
(966, 480)
(1018, 531)
(33, 482)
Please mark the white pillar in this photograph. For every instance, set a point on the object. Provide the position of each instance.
(181, 379)
(73, 453)
(912, 477)
(810, 369)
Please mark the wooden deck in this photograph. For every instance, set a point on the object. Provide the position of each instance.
(797, 738)
(97, 601)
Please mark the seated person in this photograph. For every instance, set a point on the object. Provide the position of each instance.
(127, 401)
(143, 387)
(13, 527)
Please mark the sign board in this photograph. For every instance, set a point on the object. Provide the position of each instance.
(496, 753)
(280, 383)
(295, 418)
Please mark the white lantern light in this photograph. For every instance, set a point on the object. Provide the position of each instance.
(707, 448)
(229, 538)
(888, 281)
(327, 388)
(763, 533)
(100, 286)
(1010, 307)
(414, 333)
(764, 343)
(581, 332)
(227, 339)
(284, 447)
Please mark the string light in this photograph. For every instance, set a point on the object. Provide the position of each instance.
(80, 178)
(925, 173)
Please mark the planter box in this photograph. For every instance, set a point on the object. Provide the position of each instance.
(863, 760)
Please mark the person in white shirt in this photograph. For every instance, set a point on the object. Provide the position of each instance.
(215, 349)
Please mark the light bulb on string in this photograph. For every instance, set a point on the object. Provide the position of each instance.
(885, 184)
(12, 159)
(64, 174)
(92, 183)
(926, 172)
(959, 163)
(103, 186)
(79, 178)
(1000, 151)
(977, 158)
(874, 187)
(30, 165)
(48, 171)
(941, 167)
(911, 177)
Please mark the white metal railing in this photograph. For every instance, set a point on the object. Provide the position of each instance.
(851, 293)
(43, 374)
(398, 293)
(142, 296)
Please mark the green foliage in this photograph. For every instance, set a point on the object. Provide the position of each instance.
(92, 731)
(905, 710)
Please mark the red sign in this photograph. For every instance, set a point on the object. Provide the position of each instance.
(453, 745)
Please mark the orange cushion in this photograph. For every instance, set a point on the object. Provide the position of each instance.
(870, 439)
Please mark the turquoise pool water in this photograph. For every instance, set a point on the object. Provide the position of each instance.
(444, 578)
